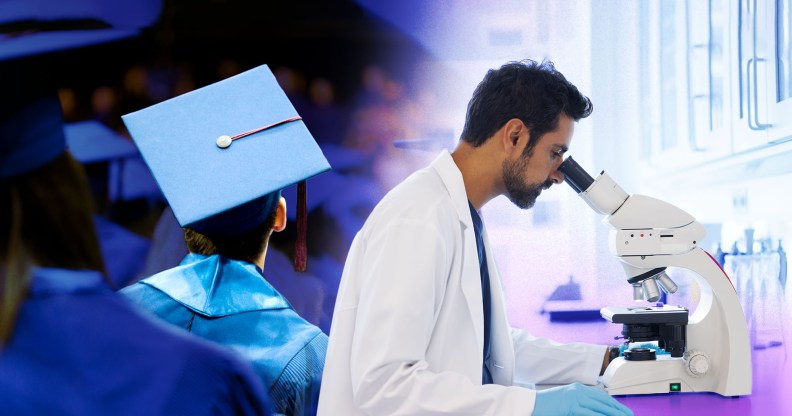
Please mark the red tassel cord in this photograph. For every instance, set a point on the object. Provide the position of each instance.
(301, 245)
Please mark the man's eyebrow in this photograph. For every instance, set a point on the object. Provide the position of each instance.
(561, 147)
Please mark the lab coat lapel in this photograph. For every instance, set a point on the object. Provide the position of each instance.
(471, 277)
(502, 360)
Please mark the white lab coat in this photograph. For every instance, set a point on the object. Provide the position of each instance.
(408, 329)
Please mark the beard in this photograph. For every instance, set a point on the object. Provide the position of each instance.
(520, 193)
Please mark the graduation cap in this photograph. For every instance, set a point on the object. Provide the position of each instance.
(131, 179)
(31, 134)
(221, 154)
(92, 142)
(31, 124)
(35, 27)
(434, 142)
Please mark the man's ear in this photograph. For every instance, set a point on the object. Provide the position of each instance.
(512, 131)
(280, 216)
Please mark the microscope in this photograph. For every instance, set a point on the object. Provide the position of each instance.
(708, 351)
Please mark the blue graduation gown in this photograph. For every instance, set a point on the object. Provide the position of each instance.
(80, 349)
(230, 302)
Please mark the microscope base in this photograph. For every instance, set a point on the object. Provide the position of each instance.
(664, 375)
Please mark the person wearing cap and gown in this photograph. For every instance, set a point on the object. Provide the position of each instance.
(101, 150)
(70, 345)
(221, 155)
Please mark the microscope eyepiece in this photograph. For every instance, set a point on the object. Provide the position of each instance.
(575, 175)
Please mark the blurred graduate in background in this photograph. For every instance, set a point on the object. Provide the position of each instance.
(221, 155)
(68, 343)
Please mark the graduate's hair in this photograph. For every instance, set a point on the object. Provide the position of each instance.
(45, 220)
(536, 93)
(247, 246)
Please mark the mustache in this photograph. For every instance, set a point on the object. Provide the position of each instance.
(548, 183)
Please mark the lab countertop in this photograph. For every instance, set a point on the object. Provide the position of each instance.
(772, 378)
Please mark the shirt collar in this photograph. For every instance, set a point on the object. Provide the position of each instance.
(478, 224)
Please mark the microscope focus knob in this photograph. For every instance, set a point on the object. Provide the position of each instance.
(696, 363)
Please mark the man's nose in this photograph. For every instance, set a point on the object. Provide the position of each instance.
(557, 176)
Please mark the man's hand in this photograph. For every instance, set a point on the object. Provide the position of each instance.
(577, 399)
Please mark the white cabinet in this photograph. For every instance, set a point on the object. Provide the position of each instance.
(750, 116)
(718, 79)
(666, 82)
(778, 28)
(763, 75)
(710, 97)
(687, 81)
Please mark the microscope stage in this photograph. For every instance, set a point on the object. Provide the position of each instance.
(665, 314)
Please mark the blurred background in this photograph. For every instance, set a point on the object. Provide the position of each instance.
(692, 105)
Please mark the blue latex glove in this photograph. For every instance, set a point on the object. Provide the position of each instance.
(577, 399)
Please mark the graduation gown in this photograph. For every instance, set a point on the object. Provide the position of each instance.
(230, 302)
(80, 349)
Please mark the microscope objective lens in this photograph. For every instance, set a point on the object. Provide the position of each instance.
(651, 291)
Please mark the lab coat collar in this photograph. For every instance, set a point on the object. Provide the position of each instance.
(452, 179)
(216, 286)
(502, 361)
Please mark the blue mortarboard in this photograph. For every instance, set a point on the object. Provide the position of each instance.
(35, 27)
(31, 125)
(431, 144)
(92, 142)
(222, 153)
(129, 178)
(31, 135)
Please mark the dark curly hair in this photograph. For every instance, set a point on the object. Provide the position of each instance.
(535, 93)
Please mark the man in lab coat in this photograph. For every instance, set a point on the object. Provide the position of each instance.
(420, 322)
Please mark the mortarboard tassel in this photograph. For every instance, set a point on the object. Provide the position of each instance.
(301, 245)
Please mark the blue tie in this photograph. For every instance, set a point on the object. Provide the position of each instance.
(478, 226)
